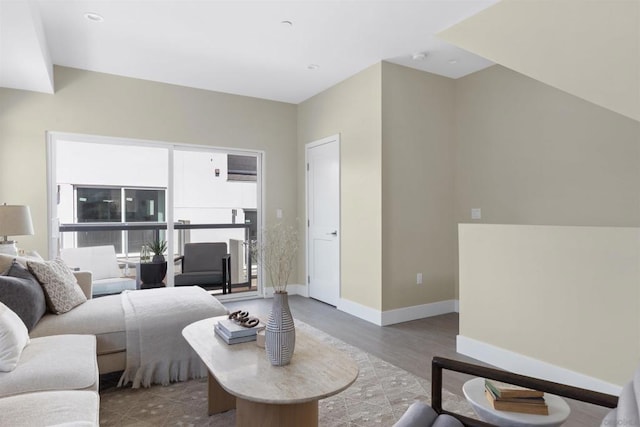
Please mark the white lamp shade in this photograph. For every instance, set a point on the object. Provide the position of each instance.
(15, 220)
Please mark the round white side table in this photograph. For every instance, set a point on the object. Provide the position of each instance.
(474, 392)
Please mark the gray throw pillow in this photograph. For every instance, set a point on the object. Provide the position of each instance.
(22, 293)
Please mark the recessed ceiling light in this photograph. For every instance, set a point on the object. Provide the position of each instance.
(313, 67)
(287, 23)
(453, 61)
(419, 56)
(91, 16)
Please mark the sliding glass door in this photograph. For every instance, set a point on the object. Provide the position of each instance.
(129, 193)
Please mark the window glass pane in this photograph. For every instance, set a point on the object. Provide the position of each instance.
(145, 205)
(99, 205)
(251, 219)
(241, 168)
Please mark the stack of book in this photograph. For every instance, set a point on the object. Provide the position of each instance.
(233, 333)
(507, 397)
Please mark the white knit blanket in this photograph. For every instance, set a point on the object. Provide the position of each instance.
(157, 353)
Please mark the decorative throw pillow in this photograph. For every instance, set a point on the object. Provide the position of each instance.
(22, 293)
(60, 285)
(13, 338)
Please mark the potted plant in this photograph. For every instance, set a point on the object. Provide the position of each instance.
(277, 254)
(158, 247)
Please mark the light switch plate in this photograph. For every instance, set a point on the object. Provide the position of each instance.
(476, 213)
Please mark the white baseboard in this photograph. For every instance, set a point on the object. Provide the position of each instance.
(415, 312)
(292, 289)
(363, 312)
(390, 317)
(296, 289)
(525, 365)
(353, 308)
(377, 317)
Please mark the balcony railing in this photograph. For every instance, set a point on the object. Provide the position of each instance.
(128, 255)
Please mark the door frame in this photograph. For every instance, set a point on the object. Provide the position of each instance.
(307, 147)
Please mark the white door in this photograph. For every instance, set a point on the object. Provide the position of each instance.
(323, 215)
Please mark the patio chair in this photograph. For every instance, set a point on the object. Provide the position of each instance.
(420, 414)
(207, 265)
(102, 262)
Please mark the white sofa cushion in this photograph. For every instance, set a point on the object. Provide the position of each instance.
(102, 317)
(14, 337)
(60, 285)
(113, 286)
(50, 408)
(58, 362)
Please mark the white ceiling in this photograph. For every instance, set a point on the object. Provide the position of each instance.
(238, 47)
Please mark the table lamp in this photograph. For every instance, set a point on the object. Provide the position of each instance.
(14, 221)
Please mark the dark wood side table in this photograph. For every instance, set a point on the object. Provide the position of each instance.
(152, 274)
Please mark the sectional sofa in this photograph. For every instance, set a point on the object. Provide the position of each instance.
(56, 376)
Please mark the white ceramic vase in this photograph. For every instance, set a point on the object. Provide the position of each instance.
(280, 332)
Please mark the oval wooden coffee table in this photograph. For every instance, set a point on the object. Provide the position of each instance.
(241, 377)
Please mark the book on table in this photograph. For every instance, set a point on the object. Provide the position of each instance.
(524, 405)
(232, 340)
(506, 391)
(508, 397)
(234, 330)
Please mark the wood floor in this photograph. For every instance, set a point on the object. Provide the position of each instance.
(409, 345)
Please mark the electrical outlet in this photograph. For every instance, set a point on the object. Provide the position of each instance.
(476, 213)
(419, 279)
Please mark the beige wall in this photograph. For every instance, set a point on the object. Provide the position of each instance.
(569, 296)
(590, 49)
(101, 104)
(352, 109)
(531, 154)
(417, 187)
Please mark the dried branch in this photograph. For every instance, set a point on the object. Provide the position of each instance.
(277, 253)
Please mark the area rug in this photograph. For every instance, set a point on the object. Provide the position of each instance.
(379, 397)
